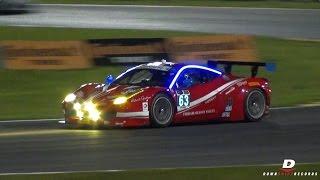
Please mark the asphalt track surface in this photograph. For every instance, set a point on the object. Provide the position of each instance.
(285, 23)
(47, 146)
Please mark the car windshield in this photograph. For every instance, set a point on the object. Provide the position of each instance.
(144, 77)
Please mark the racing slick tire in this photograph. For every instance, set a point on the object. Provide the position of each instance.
(255, 105)
(161, 111)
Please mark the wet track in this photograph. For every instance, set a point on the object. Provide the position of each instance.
(47, 146)
(289, 23)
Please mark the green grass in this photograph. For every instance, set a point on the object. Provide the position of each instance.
(35, 94)
(296, 80)
(239, 173)
(312, 4)
(38, 94)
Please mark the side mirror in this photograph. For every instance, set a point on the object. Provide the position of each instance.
(109, 79)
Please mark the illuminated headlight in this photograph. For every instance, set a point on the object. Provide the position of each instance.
(93, 113)
(120, 100)
(70, 97)
(79, 112)
(77, 106)
(89, 106)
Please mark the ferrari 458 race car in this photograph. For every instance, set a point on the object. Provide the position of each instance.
(162, 93)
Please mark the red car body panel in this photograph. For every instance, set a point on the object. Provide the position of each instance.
(220, 99)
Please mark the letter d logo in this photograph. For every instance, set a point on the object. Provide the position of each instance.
(288, 163)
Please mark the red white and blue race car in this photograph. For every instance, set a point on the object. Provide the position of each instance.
(161, 94)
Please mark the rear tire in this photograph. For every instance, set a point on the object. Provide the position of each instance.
(255, 105)
(161, 111)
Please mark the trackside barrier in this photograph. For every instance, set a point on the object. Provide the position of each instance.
(101, 52)
(46, 55)
(124, 51)
(219, 47)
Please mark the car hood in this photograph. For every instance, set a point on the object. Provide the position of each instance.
(116, 91)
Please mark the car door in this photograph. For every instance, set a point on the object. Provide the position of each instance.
(193, 88)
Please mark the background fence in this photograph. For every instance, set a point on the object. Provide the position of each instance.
(104, 52)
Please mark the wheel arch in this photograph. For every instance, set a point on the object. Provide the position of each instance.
(151, 105)
(239, 98)
(169, 95)
(246, 96)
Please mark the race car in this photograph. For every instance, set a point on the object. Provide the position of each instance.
(160, 94)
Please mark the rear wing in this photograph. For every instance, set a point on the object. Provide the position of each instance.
(227, 65)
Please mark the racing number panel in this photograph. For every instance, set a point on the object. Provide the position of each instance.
(191, 86)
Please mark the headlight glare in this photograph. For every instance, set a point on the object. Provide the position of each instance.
(89, 106)
(70, 97)
(80, 114)
(93, 113)
(77, 106)
(120, 100)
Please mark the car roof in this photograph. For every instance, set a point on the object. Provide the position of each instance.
(163, 66)
(168, 66)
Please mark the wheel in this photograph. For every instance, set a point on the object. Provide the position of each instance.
(255, 105)
(161, 111)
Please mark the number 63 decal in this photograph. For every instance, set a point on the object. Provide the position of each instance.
(183, 99)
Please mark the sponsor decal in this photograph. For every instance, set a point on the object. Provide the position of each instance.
(145, 106)
(141, 98)
(228, 108)
(288, 169)
(225, 114)
(192, 113)
(210, 95)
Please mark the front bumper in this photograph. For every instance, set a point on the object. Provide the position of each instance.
(110, 115)
(114, 122)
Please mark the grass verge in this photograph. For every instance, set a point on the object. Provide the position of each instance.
(249, 172)
(307, 4)
(37, 94)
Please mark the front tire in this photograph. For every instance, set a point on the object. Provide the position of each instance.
(161, 111)
(255, 105)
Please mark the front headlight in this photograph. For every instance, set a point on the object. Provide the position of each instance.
(87, 110)
(89, 106)
(79, 112)
(120, 100)
(70, 97)
(92, 110)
